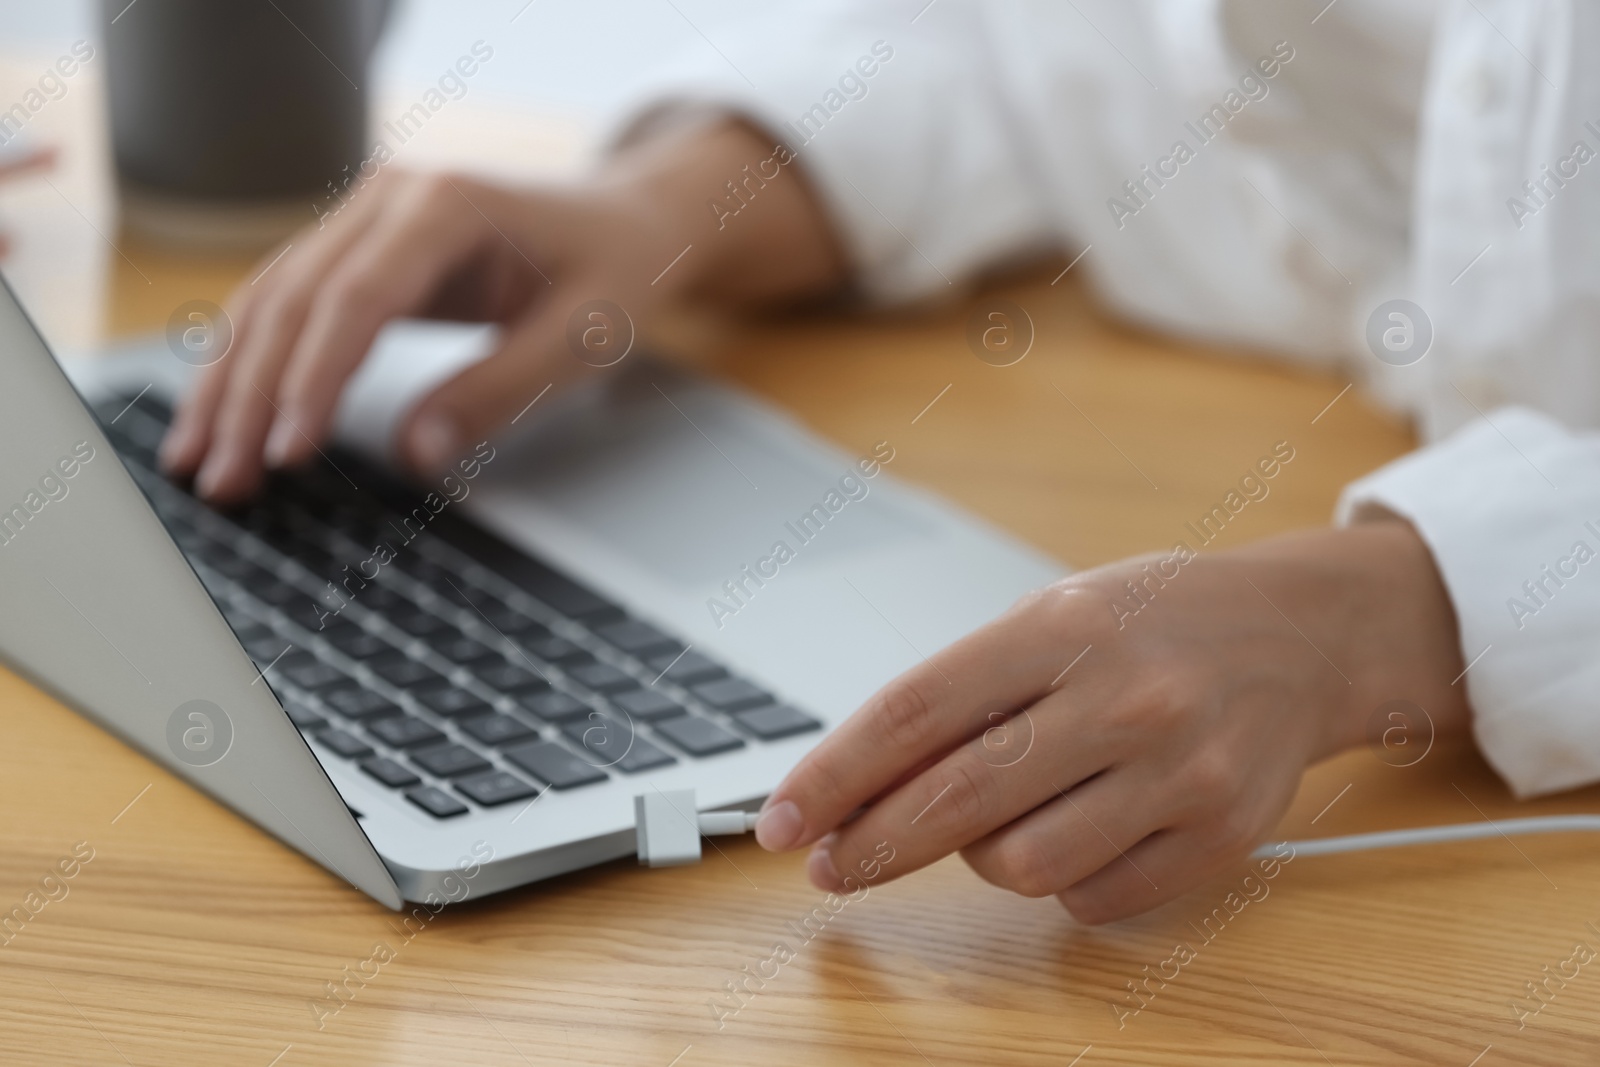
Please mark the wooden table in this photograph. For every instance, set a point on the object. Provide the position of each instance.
(193, 938)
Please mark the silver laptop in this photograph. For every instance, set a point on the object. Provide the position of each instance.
(434, 690)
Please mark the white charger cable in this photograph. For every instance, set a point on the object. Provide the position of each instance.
(669, 826)
(1430, 835)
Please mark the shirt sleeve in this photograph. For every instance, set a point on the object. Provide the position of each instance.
(1510, 508)
(903, 128)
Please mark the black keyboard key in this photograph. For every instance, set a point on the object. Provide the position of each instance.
(302, 714)
(559, 592)
(497, 729)
(449, 761)
(453, 703)
(356, 523)
(552, 705)
(355, 642)
(611, 743)
(247, 629)
(405, 673)
(426, 571)
(459, 648)
(382, 599)
(417, 622)
(308, 672)
(602, 736)
(639, 639)
(554, 765)
(266, 649)
(643, 756)
(315, 558)
(687, 669)
(503, 617)
(510, 678)
(648, 704)
(776, 721)
(360, 704)
(404, 731)
(436, 802)
(306, 611)
(347, 745)
(300, 657)
(226, 562)
(552, 649)
(321, 486)
(496, 787)
(272, 590)
(269, 524)
(218, 587)
(731, 694)
(389, 772)
(604, 678)
(239, 619)
(698, 736)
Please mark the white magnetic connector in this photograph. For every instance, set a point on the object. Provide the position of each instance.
(669, 827)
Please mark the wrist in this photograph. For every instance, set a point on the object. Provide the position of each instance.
(734, 197)
(1370, 599)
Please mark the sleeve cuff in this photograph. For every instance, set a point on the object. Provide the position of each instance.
(1510, 509)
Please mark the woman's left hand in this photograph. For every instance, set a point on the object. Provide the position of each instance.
(1115, 750)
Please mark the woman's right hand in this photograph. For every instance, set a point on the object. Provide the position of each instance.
(447, 246)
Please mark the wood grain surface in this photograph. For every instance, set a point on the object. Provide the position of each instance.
(192, 938)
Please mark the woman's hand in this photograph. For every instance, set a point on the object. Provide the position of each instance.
(638, 234)
(1116, 755)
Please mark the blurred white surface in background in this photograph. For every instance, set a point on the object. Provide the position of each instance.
(568, 54)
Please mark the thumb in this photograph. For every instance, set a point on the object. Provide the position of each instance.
(564, 340)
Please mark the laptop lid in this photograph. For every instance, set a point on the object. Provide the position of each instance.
(99, 607)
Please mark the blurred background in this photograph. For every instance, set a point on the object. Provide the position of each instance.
(572, 54)
(558, 65)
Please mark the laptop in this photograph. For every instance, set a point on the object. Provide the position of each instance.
(435, 689)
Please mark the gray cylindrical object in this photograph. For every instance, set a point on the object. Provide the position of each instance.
(228, 119)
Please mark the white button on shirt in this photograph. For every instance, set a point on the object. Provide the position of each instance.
(1436, 151)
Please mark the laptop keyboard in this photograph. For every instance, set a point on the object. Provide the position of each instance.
(446, 664)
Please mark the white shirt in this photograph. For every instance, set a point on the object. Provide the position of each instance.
(1259, 174)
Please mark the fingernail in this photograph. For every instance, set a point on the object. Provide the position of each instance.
(821, 871)
(435, 441)
(213, 473)
(175, 449)
(778, 827)
(281, 443)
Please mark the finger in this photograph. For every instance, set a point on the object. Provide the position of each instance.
(240, 403)
(924, 713)
(531, 358)
(1162, 867)
(184, 446)
(1065, 840)
(392, 271)
(963, 798)
(253, 306)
